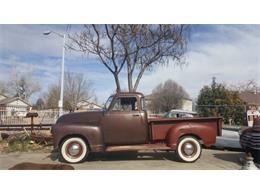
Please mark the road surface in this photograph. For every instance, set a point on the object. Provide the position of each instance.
(144, 160)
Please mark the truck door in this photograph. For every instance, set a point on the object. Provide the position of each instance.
(125, 123)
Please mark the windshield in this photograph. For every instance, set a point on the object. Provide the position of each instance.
(107, 104)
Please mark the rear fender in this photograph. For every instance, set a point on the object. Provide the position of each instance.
(206, 134)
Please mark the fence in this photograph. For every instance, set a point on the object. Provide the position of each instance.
(13, 115)
(16, 115)
(47, 116)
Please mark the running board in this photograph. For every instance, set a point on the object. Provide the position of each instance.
(137, 147)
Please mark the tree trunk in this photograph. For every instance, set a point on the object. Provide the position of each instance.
(130, 79)
(139, 78)
(118, 88)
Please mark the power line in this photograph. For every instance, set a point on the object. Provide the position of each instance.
(239, 105)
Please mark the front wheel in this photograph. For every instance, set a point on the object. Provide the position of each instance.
(74, 150)
(189, 149)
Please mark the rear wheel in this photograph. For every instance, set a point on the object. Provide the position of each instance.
(74, 150)
(189, 149)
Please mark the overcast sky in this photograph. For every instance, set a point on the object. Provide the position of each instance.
(228, 52)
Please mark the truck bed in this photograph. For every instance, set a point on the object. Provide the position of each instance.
(159, 127)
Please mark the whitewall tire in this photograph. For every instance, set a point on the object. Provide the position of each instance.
(188, 149)
(74, 150)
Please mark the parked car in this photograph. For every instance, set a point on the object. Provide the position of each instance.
(123, 125)
(179, 114)
(250, 140)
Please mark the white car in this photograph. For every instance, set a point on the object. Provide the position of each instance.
(179, 114)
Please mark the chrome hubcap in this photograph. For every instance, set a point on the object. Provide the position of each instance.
(74, 149)
(188, 149)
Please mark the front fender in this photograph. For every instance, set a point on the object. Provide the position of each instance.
(92, 134)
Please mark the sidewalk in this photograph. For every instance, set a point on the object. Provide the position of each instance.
(229, 139)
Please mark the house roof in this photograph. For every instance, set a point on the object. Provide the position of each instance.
(3, 95)
(189, 99)
(9, 100)
(250, 97)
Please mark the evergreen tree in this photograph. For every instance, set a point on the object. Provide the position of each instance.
(216, 100)
(39, 105)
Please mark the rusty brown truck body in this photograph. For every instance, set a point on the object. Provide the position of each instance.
(123, 125)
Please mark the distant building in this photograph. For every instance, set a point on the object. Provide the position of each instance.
(148, 103)
(2, 96)
(13, 106)
(252, 102)
(187, 104)
(85, 105)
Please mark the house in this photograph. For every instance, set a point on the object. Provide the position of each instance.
(148, 103)
(187, 104)
(2, 96)
(252, 102)
(85, 105)
(14, 106)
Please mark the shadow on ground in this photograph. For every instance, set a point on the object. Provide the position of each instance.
(230, 157)
(128, 156)
(53, 156)
(125, 156)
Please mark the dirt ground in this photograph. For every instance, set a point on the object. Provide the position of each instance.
(146, 160)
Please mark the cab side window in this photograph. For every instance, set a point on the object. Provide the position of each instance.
(143, 104)
(125, 104)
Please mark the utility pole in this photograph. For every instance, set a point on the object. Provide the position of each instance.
(60, 102)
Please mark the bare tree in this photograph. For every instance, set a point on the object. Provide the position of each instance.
(76, 88)
(3, 87)
(167, 96)
(139, 47)
(246, 86)
(22, 84)
(52, 96)
(101, 41)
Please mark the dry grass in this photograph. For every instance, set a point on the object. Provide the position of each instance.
(22, 142)
(19, 146)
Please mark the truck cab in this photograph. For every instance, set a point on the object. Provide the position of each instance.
(125, 115)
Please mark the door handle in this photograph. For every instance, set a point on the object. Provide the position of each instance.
(136, 114)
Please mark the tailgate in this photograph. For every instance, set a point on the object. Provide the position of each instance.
(219, 127)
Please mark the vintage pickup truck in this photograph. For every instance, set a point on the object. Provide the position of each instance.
(123, 125)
